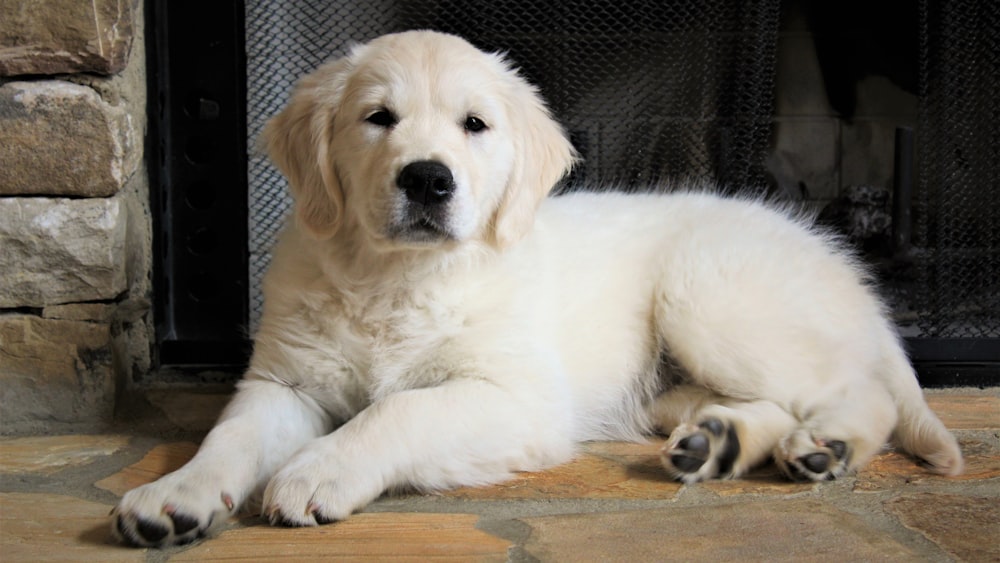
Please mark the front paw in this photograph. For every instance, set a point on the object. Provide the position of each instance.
(312, 489)
(172, 511)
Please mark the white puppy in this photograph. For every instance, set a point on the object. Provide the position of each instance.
(433, 320)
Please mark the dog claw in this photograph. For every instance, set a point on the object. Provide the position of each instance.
(317, 514)
(271, 511)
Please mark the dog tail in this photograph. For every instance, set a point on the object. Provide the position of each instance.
(918, 430)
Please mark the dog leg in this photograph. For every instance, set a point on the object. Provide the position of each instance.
(839, 434)
(464, 432)
(714, 436)
(263, 425)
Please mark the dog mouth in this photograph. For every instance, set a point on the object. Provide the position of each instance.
(421, 227)
(426, 225)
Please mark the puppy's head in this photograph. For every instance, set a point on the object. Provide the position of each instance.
(417, 139)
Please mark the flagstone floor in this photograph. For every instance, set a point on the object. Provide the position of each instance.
(611, 504)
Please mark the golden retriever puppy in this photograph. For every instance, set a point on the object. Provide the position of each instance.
(432, 319)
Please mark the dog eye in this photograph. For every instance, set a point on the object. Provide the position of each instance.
(474, 125)
(382, 118)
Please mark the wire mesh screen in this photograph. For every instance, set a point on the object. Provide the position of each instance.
(957, 213)
(648, 89)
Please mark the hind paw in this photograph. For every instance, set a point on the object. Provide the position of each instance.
(804, 458)
(704, 451)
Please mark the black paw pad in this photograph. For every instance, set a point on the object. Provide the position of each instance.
(694, 451)
(686, 463)
(817, 463)
(839, 449)
(713, 425)
(731, 451)
(183, 523)
(696, 444)
(150, 531)
(127, 535)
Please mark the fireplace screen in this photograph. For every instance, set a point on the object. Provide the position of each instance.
(648, 90)
(957, 211)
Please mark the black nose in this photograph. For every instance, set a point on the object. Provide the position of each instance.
(427, 182)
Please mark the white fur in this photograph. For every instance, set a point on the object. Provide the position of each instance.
(386, 358)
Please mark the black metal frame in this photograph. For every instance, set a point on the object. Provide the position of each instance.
(955, 362)
(197, 152)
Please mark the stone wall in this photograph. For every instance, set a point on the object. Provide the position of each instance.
(75, 229)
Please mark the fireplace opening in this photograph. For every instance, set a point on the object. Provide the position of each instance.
(649, 91)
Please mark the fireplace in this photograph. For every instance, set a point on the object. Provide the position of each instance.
(649, 91)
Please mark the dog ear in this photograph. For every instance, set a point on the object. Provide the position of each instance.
(298, 142)
(542, 155)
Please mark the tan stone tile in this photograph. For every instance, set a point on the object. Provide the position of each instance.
(892, 469)
(48, 454)
(766, 480)
(158, 462)
(605, 470)
(190, 410)
(42, 527)
(630, 451)
(362, 537)
(790, 530)
(966, 412)
(966, 527)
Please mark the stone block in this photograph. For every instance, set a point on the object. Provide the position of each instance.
(384, 536)
(162, 459)
(50, 527)
(868, 152)
(960, 525)
(610, 470)
(891, 470)
(800, 91)
(54, 371)
(789, 530)
(56, 251)
(45, 455)
(98, 312)
(189, 410)
(61, 36)
(805, 160)
(879, 97)
(59, 138)
(967, 411)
